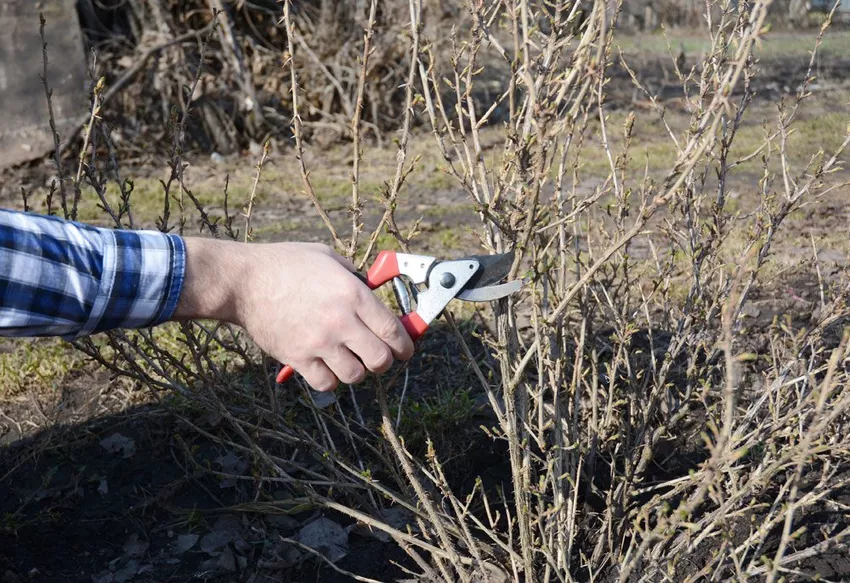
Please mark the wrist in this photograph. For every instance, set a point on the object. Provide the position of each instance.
(214, 269)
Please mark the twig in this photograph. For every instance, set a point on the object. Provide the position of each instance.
(48, 93)
(326, 560)
(289, 59)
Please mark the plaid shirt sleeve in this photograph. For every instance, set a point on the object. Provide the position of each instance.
(62, 278)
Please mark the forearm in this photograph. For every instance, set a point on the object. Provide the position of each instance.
(211, 287)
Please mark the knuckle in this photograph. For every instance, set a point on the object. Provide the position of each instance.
(326, 384)
(355, 375)
(390, 328)
(334, 322)
(382, 360)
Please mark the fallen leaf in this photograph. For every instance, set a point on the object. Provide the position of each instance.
(130, 570)
(135, 547)
(327, 537)
(227, 562)
(116, 443)
(225, 530)
(231, 464)
(322, 400)
(103, 487)
(208, 566)
(185, 542)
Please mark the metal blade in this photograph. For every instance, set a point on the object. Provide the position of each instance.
(490, 293)
(492, 269)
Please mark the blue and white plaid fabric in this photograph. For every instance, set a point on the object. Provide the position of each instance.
(62, 278)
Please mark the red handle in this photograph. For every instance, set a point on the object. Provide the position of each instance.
(383, 270)
(414, 324)
(285, 374)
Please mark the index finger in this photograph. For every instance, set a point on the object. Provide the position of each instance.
(385, 325)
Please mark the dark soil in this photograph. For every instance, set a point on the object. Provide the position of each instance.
(75, 512)
(72, 510)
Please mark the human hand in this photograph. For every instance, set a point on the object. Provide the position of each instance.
(300, 302)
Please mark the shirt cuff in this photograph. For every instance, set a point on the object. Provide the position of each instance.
(143, 274)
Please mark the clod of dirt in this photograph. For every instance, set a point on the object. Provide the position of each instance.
(327, 537)
(135, 547)
(117, 443)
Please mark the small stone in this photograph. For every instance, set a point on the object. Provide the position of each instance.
(117, 443)
(750, 310)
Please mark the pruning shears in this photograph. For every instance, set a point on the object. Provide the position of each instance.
(472, 279)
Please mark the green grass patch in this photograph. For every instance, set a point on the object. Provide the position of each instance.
(439, 418)
(39, 364)
(775, 45)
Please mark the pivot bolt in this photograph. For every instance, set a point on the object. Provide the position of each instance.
(447, 280)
